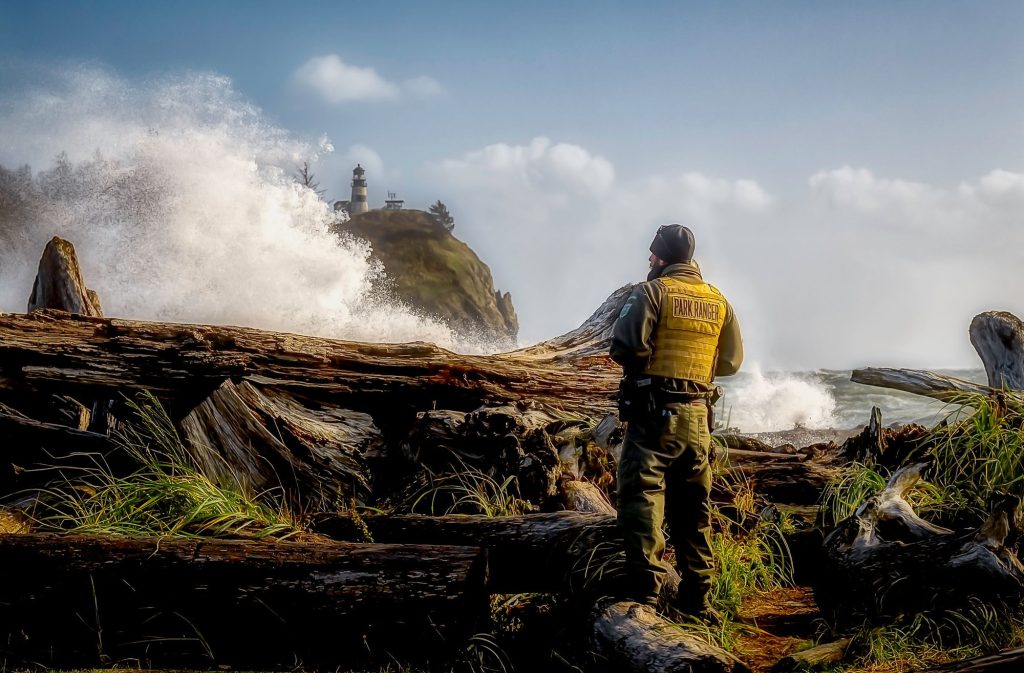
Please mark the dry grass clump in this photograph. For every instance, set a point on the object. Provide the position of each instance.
(167, 495)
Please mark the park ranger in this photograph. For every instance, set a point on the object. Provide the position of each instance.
(674, 335)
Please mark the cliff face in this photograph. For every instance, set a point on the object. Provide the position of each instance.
(435, 272)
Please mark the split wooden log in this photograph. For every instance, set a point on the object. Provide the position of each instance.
(261, 440)
(634, 638)
(886, 561)
(1009, 661)
(59, 283)
(919, 382)
(533, 553)
(80, 599)
(998, 337)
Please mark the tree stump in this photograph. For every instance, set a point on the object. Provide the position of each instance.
(59, 284)
(998, 337)
(258, 440)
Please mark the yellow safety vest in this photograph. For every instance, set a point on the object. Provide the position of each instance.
(685, 341)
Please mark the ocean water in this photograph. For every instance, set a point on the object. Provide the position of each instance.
(825, 403)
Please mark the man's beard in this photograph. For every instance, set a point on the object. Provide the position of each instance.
(654, 272)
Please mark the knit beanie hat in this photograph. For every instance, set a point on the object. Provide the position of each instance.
(673, 243)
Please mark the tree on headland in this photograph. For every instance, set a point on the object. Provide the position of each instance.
(308, 179)
(441, 214)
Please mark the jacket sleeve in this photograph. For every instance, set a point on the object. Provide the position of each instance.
(730, 345)
(631, 334)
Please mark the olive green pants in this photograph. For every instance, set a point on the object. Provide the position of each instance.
(664, 476)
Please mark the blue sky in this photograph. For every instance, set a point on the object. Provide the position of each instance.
(780, 89)
(916, 101)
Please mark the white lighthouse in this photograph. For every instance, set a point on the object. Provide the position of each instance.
(358, 204)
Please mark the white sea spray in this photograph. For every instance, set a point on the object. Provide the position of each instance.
(766, 402)
(181, 201)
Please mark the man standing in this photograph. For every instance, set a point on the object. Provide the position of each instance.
(674, 335)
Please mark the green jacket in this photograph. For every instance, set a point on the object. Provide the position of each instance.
(633, 331)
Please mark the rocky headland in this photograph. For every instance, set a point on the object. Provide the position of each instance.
(436, 273)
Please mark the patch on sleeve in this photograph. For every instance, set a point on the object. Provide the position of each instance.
(625, 308)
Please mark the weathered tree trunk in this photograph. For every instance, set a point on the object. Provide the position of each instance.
(80, 599)
(886, 561)
(1010, 661)
(998, 337)
(636, 639)
(59, 283)
(889, 447)
(260, 440)
(919, 382)
(592, 339)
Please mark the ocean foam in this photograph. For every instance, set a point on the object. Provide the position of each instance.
(758, 402)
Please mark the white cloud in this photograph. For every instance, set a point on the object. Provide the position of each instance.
(859, 269)
(561, 231)
(540, 171)
(859, 189)
(999, 188)
(338, 82)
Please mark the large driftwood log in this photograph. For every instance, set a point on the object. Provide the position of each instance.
(59, 283)
(919, 382)
(571, 552)
(998, 337)
(796, 478)
(260, 440)
(80, 599)
(886, 561)
(530, 553)
(98, 358)
(634, 638)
